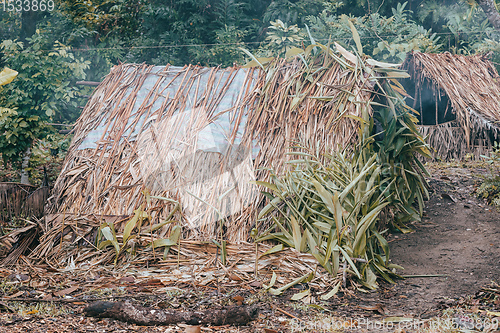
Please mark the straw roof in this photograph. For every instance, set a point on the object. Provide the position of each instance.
(162, 131)
(471, 83)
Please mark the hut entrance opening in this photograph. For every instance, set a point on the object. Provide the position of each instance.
(431, 102)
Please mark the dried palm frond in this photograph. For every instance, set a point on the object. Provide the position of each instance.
(141, 131)
(472, 85)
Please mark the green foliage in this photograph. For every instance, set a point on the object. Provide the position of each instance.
(398, 154)
(328, 205)
(10, 25)
(17, 133)
(225, 52)
(192, 31)
(329, 209)
(292, 12)
(385, 38)
(490, 187)
(135, 229)
(100, 29)
(43, 92)
(107, 234)
(105, 18)
(219, 25)
(48, 153)
(281, 38)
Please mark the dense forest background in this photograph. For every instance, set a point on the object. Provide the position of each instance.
(209, 32)
(83, 39)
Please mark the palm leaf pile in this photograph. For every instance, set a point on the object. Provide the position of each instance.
(292, 155)
(463, 88)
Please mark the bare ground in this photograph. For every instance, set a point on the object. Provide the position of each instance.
(455, 250)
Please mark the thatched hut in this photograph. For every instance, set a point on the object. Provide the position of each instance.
(162, 131)
(184, 143)
(458, 99)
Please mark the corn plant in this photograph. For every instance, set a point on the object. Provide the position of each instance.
(398, 153)
(328, 206)
(107, 235)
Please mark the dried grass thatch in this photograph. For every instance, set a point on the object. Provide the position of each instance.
(190, 262)
(143, 135)
(147, 128)
(465, 89)
(18, 200)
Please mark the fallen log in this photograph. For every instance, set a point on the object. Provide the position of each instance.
(130, 313)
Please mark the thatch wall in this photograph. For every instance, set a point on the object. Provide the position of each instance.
(468, 87)
(21, 200)
(144, 132)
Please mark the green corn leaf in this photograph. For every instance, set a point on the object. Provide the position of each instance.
(370, 280)
(269, 207)
(325, 196)
(104, 244)
(294, 51)
(332, 292)
(164, 198)
(268, 185)
(162, 224)
(391, 266)
(271, 282)
(303, 279)
(355, 36)
(296, 232)
(274, 249)
(373, 62)
(131, 225)
(301, 295)
(157, 243)
(109, 235)
(304, 241)
(310, 36)
(255, 61)
(383, 244)
(351, 263)
(366, 222)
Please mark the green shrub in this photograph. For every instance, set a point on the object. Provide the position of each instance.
(490, 187)
(329, 204)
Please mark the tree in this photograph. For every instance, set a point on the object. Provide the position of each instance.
(281, 38)
(384, 38)
(491, 12)
(43, 92)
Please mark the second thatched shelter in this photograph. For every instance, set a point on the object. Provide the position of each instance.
(458, 99)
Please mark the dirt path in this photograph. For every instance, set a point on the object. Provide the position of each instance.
(458, 237)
